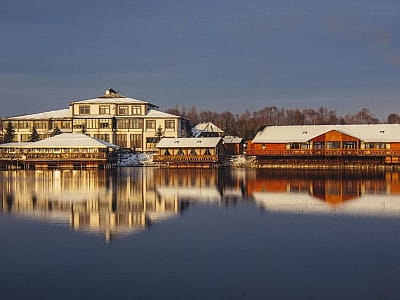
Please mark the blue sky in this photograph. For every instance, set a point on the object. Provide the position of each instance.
(218, 55)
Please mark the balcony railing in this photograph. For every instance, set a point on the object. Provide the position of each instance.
(186, 158)
(53, 156)
(324, 152)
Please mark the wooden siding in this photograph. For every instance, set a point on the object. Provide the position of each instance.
(334, 136)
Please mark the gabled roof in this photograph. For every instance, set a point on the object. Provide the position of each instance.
(205, 127)
(112, 97)
(54, 114)
(209, 142)
(64, 140)
(304, 133)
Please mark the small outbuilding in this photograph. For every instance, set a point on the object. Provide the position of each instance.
(233, 145)
(187, 152)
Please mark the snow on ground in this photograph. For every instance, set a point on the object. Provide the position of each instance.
(135, 160)
(242, 161)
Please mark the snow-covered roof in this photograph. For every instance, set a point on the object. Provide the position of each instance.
(304, 133)
(208, 142)
(229, 139)
(152, 113)
(64, 140)
(54, 114)
(205, 127)
(304, 203)
(110, 100)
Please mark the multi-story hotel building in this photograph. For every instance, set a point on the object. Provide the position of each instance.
(114, 118)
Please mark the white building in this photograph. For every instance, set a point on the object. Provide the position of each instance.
(114, 118)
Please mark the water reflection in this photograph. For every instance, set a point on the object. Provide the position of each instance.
(129, 200)
(355, 193)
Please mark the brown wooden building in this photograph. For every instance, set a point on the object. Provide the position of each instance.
(377, 144)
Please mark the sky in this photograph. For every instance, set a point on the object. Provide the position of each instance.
(227, 55)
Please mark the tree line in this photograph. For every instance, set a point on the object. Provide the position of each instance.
(248, 123)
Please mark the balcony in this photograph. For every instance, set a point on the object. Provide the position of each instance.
(54, 156)
(323, 152)
(186, 158)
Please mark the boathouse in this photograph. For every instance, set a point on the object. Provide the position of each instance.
(190, 152)
(324, 145)
(67, 150)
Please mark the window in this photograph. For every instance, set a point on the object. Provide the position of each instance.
(25, 137)
(79, 123)
(25, 125)
(166, 152)
(150, 124)
(170, 124)
(207, 152)
(333, 145)
(318, 145)
(42, 125)
(66, 124)
(84, 109)
(136, 110)
(123, 123)
(151, 142)
(122, 140)
(375, 145)
(136, 141)
(137, 123)
(104, 123)
(104, 109)
(91, 123)
(180, 152)
(349, 145)
(123, 110)
(103, 137)
(193, 152)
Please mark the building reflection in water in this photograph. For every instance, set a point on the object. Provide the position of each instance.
(128, 200)
(322, 192)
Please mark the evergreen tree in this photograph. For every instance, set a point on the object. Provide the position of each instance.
(9, 133)
(34, 137)
(159, 134)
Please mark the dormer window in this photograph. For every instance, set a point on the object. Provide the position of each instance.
(84, 109)
(382, 132)
(304, 132)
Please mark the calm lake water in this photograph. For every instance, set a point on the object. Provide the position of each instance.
(148, 233)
